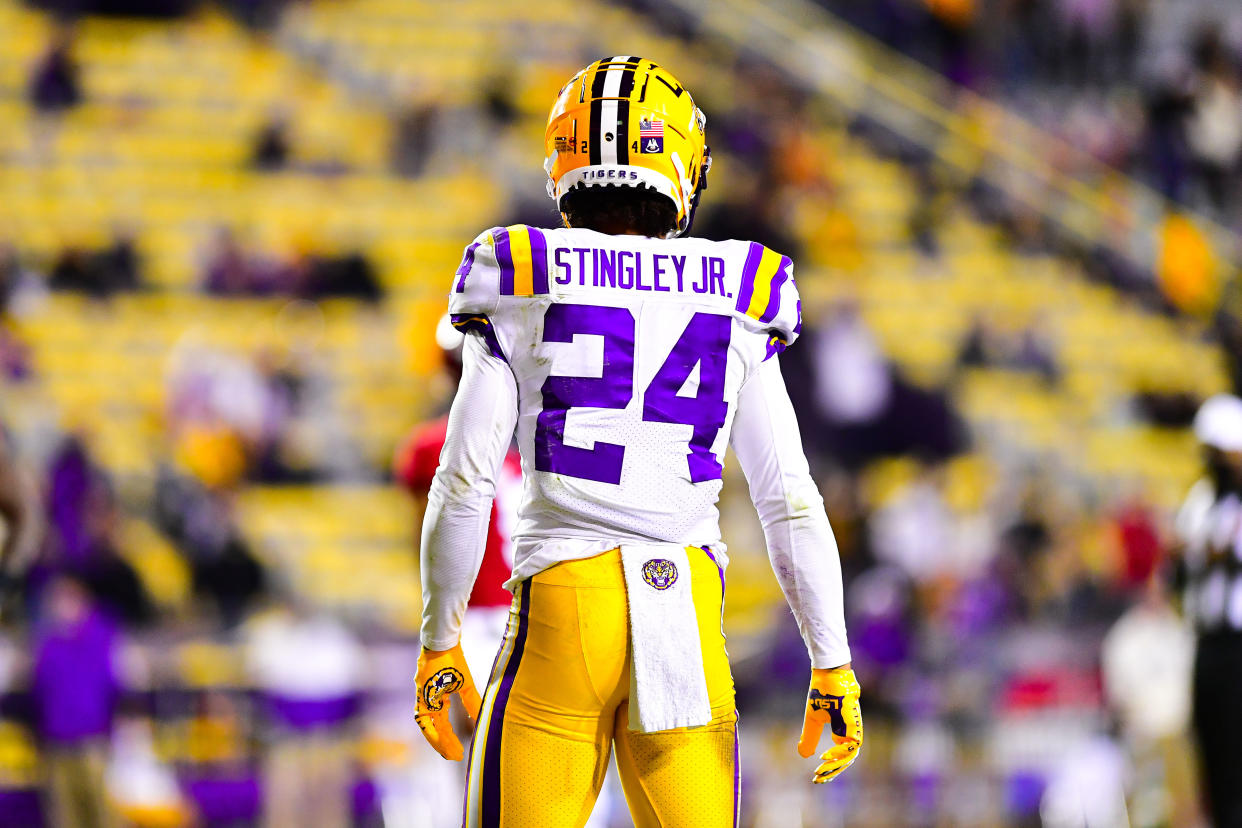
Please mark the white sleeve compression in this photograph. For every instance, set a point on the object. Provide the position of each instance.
(800, 542)
(459, 505)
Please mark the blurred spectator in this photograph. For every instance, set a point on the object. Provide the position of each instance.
(117, 266)
(1186, 267)
(1030, 351)
(1168, 100)
(1214, 129)
(498, 103)
(232, 270)
(981, 347)
(18, 284)
(76, 687)
(227, 270)
(71, 271)
(98, 273)
(349, 275)
(83, 517)
(918, 533)
(853, 406)
(201, 523)
(413, 138)
(271, 146)
(1034, 353)
(310, 671)
(19, 519)
(14, 354)
(72, 491)
(1139, 542)
(54, 84)
(1151, 699)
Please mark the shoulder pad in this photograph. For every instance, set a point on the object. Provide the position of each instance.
(503, 261)
(768, 296)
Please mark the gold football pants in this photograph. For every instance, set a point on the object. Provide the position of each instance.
(558, 701)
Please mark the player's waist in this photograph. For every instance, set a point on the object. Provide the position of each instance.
(563, 555)
(605, 570)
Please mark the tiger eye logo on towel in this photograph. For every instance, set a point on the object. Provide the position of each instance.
(448, 680)
(660, 573)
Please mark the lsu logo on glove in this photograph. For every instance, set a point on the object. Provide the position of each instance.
(442, 673)
(832, 700)
(447, 680)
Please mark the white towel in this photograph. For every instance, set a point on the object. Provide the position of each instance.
(668, 688)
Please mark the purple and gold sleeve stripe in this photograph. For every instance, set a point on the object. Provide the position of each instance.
(763, 276)
(522, 255)
(475, 323)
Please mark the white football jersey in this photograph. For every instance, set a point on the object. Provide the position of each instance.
(628, 354)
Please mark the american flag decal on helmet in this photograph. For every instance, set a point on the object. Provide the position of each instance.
(650, 136)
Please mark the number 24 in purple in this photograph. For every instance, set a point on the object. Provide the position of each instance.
(704, 342)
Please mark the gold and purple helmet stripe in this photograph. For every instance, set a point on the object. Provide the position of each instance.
(763, 275)
(522, 255)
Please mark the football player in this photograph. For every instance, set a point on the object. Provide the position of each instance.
(627, 359)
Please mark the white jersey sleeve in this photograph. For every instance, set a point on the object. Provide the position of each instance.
(459, 504)
(799, 538)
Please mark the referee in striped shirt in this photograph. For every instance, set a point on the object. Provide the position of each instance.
(1209, 529)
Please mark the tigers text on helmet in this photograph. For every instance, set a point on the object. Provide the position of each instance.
(626, 122)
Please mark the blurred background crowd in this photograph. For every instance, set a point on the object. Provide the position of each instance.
(226, 234)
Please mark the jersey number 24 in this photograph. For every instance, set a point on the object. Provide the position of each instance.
(704, 342)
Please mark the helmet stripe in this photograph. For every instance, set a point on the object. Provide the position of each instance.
(610, 116)
(597, 93)
(624, 91)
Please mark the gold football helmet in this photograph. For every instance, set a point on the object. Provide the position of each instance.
(626, 122)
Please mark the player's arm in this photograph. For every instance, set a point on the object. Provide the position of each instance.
(804, 557)
(454, 534)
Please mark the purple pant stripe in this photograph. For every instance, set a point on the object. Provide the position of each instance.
(465, 806)
(748, 276)
(719, 568)
(463, 270)
(538, 261)
(504, 258)
(737, 774)
(798, 327)
(489, 811)
(778, 281)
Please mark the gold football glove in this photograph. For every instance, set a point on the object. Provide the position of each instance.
(441, 674)
(832, 699)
